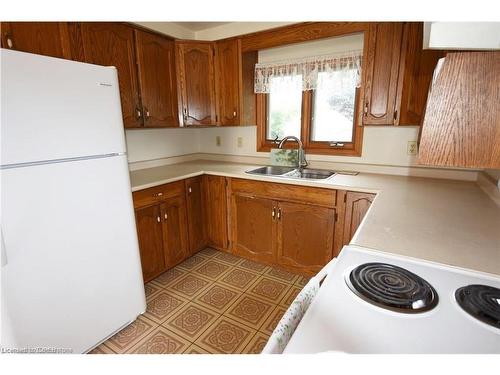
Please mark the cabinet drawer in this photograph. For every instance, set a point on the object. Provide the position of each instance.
(157, 194)
(285, 192)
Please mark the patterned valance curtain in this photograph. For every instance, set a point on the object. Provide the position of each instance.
(308, 73)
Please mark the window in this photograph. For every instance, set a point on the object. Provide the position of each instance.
(312, 98)
(333, 110)
(284, 108)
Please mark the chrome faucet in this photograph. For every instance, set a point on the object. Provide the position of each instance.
(302, 162)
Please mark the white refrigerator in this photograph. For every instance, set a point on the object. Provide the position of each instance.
(71, 274)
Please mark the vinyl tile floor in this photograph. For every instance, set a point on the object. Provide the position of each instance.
(212, 303)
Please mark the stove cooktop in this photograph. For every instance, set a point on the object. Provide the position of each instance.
(352, 314)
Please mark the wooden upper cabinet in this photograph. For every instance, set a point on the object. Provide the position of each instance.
(42, 38)
(253, 233)
(195, 71)
(112, 44)
(461, 127)
(195, 212)
(216, 213)
(156, 65)
(305, 236)
(416, 69)
(175, 235)
(381, 77)
(228, 81)
(149, 232)
(356, 207)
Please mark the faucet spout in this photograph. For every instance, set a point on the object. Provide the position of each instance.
(302, 162)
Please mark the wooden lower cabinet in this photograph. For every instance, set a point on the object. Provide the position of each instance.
(162, 228)
(356, 207)
(305, 236)
(149, 233)
(216, 212)
(195, 212)
(175, 234)
(253, 227)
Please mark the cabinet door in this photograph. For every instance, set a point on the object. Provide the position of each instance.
(216, 214)
(416, 69)
(175, 240)
(381, 78)
(112, 44)
(42, 38)
(228, 82)
(305, 236)
(196, 223)
(195, 68)
(253, 229)
(149, 231)
(155, 60)
(356, 207)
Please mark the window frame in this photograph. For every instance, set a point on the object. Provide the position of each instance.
(311, 147)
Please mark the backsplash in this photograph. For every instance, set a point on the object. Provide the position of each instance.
(384, 150)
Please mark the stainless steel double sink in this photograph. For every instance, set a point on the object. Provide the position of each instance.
(291, 172)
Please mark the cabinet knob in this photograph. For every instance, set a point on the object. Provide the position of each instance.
(235, 114)
(274, 212)
(190, 190)
(138, 113)
(158, 219)
(165, 216)
(279, 213)
(10, 42)
(366, 108)
(158, 194)
(146, 113)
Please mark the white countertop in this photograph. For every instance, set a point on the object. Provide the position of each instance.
(444, 221)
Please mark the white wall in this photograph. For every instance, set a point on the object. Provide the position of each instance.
(385, 145)
(152, 144)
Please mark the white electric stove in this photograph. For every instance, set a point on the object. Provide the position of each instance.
(374, 302)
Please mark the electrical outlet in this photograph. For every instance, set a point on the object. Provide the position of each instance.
(412, 148)
(239, 141)
(217, 140)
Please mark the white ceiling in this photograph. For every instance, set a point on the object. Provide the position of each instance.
(198, 26)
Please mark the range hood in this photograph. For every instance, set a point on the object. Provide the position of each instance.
(462, 35)
(461, 126)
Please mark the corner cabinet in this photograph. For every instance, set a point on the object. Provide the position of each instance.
(228, 82)
(196, 71)
(216, 211)
(356, 207)
(195, 213)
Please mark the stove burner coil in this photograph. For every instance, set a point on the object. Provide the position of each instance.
(480, 301)
(392, 287)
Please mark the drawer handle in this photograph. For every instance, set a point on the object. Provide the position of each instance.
(158, 194)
